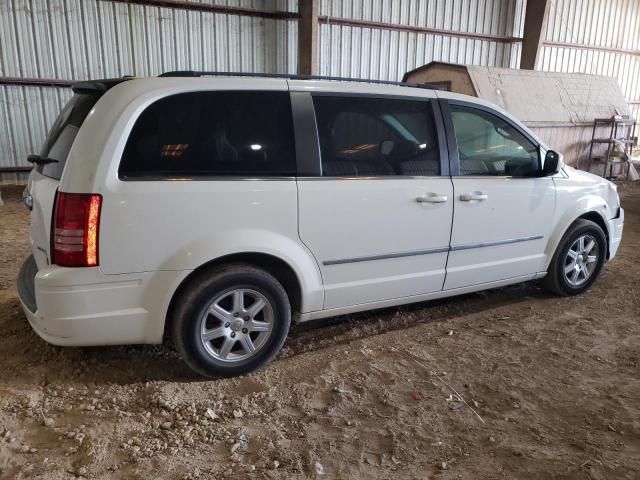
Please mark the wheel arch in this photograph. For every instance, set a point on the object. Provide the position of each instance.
(588, 209)
(596, 218)
(279, 268)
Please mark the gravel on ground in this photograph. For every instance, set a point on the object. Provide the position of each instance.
(507, 383)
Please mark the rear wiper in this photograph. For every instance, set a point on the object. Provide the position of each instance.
(40, 160)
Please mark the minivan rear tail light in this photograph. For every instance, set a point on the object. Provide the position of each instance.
(76, 225)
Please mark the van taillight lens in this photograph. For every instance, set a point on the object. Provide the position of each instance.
(75, 229)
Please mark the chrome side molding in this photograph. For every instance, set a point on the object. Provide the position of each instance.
(469, 246)
(387, 255)
(429, 251)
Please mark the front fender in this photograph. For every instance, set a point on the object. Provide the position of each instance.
(570, 213)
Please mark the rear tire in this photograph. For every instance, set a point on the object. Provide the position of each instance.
(578, 259)
(231, 321)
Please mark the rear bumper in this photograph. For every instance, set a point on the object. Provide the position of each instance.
(83, 307)
(616, 226)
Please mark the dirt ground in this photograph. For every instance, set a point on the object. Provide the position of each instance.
(555, 383)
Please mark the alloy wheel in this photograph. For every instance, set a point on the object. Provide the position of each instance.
(236, 324)
(581, 260)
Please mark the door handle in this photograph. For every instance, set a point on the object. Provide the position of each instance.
(474, 197)
(431, 198)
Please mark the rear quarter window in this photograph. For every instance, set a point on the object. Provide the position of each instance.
(371, 136)
(239, 133)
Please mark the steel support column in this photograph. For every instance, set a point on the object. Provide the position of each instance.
(308, 11)
(535, 20)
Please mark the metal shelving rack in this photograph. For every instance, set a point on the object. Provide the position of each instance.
(626, 127)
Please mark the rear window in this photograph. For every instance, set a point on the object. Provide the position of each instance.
(212, 134)
(63, 132)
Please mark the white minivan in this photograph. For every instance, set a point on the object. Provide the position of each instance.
(212, 210)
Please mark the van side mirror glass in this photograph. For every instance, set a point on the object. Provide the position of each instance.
(551, 163)
(386, 147)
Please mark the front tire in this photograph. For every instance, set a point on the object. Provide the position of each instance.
(578, 259)
(231, 321)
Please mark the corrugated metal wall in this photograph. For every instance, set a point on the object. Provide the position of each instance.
(607, 26)
(25, 117)
(361, 52)
(574, 143)
(80, 39)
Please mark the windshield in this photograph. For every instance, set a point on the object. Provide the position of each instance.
(63, 133)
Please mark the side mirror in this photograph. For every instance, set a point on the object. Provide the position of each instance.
(551, 163)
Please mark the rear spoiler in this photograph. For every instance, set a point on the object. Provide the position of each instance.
(98, 87)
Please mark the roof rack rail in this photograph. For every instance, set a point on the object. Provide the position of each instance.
(193, 73)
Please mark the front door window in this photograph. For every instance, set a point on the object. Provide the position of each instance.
(488, 145)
